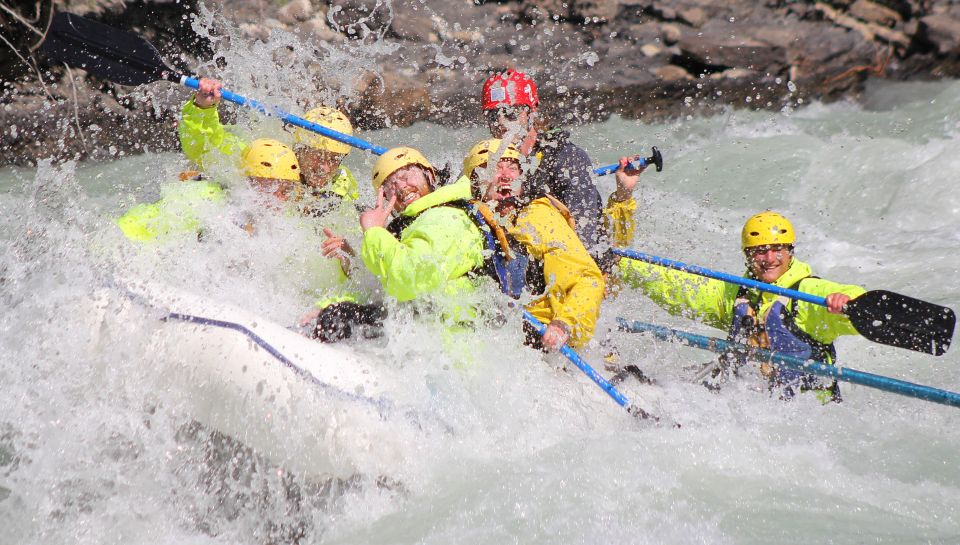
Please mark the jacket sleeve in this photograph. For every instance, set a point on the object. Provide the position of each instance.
(177, 212)
(574, 284)
(620, 222)
(816, 320)
(683, 294)
(200, 133)
(441, 245)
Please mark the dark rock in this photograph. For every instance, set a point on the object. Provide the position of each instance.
(426, 60)
(942, 32)
(413, 22)
(715, 50)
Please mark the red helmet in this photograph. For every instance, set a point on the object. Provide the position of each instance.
(510, 88)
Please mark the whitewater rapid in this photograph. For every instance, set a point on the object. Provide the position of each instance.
(93, 451)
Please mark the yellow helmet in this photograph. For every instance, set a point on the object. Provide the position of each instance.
(395, 159)
(269, 158)
(479, 154)
(767, 228)
(331, 119)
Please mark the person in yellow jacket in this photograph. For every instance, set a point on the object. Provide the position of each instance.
(566, 282)
(761, 319)
(426, 251)
(201, 134)
(271, 169)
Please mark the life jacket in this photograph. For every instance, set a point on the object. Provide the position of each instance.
(777, 330)
(505, 261)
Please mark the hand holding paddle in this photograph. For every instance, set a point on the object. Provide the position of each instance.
(881, 316)
(208, 93)
(637, 163)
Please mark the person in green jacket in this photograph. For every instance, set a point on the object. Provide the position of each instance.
(271, 169)
(760, 319)
(201, 134)
(425, 252)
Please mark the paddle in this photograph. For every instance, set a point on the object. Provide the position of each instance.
(127, 59)
(656, 159)
(720, 346)
(881, 316)
(592, 373)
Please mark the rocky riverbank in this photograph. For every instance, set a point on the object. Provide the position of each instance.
(426, 59)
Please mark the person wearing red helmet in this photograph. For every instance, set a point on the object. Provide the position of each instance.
(510, 101)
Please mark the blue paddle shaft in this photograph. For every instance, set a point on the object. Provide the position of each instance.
(879, 382)
(584, 366)
(733, 279)
(636, 164)
(290, 118)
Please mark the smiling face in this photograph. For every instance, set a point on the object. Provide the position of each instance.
(408, 184)
(504, 184)
(769, 263)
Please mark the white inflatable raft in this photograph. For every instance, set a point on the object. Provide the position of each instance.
(314, 408)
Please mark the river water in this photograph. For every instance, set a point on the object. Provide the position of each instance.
(92, 450)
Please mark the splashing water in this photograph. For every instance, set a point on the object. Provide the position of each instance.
(98, 444)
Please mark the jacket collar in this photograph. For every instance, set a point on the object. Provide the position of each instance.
(457, 191)
(798, 271)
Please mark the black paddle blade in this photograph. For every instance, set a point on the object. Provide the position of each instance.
(897, 320)
(656, 159)
(103, 51)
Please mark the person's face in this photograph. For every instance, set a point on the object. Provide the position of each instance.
(317, 166)
(509, 119)
(279, 189)
(408, 184)
(768, 263)
(503, 184)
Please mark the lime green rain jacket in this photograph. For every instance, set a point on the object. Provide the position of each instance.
(712, 301)
(434, 252)
(177, 212)
(201, 133)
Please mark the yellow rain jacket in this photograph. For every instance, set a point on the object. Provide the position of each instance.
(712, 301)
(177, 212)
(620, 223)
(574, 283)
(201, 133)
(434, 252)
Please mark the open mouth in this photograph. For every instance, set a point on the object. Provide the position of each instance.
(408, 196)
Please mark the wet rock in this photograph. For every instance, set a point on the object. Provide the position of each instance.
(358, 18)
(295, 11)
(394, 99)
(596, 11)
(670, 34)
(868, 11)
(672, 72)
(254, 31)
(317, 29)
(650, 50)
(942, 32)
(694, 17)
(413, 22)
(427, 59)
(715, 50)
